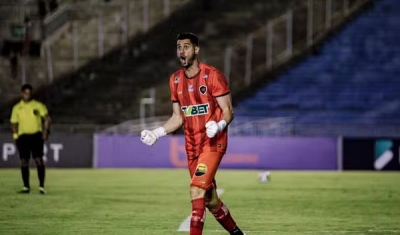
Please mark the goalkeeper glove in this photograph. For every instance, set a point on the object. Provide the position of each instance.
(213, 128)
(150, 137)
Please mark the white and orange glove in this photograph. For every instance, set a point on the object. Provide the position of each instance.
(150, 137)
(213, 128)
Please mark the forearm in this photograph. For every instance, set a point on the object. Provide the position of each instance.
(14, 128)
(225, 103)
(173, 124)
(46, 125)
(227, 115)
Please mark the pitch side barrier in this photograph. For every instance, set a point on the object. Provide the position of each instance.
(76, 150)
(380, 154)
(60, 151)
(283, 153)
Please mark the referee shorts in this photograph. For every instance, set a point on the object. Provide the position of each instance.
(30, 145)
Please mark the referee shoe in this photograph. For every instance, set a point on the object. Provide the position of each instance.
(42, 191)
(25, 190)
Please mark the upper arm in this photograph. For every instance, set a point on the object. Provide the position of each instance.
(44, 113)
(176, 109)
(225, 102)
(219, 85)
(47, 118)
(14, 116)
(172, 87)
(220, 90)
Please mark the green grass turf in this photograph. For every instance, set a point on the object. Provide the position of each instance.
(155, 202)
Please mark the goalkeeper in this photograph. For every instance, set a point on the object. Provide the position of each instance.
(201, 102)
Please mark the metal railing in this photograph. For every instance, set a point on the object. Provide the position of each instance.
(284, 37)
(347, 130)
(282, 126)
(56, 21)
(136, 126)
(127, 19)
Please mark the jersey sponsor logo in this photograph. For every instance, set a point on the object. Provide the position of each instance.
(203, 89)
(190, 88)
(205, 76)
(195, 110)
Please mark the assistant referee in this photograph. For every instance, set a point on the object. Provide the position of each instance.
(30, 123)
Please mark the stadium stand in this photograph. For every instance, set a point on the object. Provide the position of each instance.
(55, 35)
(106, 90)
(350, 84)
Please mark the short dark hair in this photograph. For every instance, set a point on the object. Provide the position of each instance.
(191, 36)
(26, 86)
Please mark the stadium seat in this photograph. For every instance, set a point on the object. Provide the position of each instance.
(352, 80)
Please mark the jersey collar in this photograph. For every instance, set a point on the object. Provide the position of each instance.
(197, 74)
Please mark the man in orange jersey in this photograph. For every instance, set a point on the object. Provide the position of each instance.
(201, 101)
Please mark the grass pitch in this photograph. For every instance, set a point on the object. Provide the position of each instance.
(155, 202)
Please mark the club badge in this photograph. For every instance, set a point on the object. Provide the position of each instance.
(203, 89)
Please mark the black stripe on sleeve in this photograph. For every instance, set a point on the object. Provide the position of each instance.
(223, 94)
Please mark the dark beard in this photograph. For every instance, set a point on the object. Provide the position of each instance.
(190, 61)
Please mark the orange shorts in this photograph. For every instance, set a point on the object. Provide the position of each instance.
(203, 168)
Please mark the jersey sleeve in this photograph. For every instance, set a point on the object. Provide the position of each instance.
(172, 86)
(219, 85)
(14, 116)
(42, 110)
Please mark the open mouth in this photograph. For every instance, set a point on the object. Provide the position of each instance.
(182, 59)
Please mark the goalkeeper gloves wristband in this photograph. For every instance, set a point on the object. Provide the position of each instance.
(150, 137)
(212, 128)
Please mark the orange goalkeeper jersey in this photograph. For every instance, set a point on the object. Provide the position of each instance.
(197, 99)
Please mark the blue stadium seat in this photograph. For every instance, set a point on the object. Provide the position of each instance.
(353, 80)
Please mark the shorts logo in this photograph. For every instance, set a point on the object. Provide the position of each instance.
(201, 169)
(203, 89)
(195, 110)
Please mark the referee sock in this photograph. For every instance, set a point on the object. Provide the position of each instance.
(25, 175)
(41, 174)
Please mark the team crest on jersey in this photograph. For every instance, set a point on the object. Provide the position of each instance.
(203, 89)
(195, 110)
(176, 80)
(201, 169)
